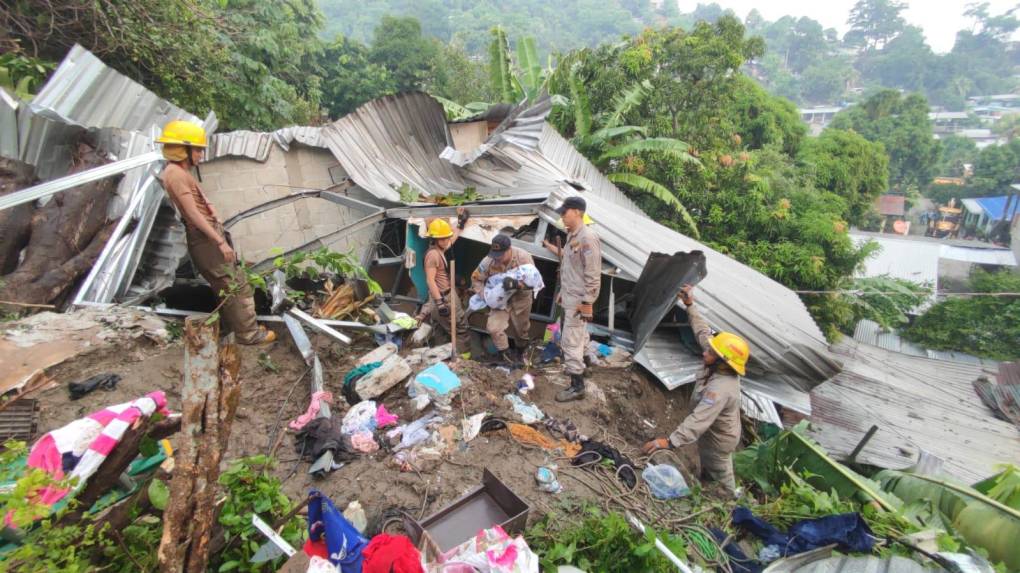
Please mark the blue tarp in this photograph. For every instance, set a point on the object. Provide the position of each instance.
(994, 206)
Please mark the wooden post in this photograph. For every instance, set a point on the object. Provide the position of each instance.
(453, 311)
(209, 400)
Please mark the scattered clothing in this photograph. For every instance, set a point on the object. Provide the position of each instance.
(351, 381)
(105, 381)
(313, 410)
(319, 436)
(404, 321)
(360, 418)
(532, 437)
(471, 426)
(329, 530)
(364, 442)
(391, 554)
(848, 530)
(491, 551)
(550, 352)
(77, 449)
(739, 561)
(529, 413)
(384, 418)
(592, 451)
(565, 428)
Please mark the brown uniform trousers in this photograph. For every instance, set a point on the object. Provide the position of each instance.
(463, 334)
(715, 422)
(239, 312)
(518, 310)
(580, 282)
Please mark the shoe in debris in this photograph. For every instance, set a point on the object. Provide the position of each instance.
(575, 392)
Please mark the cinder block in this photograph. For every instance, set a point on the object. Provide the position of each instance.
(238, 180)
(272, 175)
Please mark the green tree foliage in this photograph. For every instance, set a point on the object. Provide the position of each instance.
(987, 326)
(874, 23)
(246, 59)
(353, 78)
(954, 153)
(751, 195)
(885, 300)
(846, 164)
(399, 46)
(901, 124)
(995, 169)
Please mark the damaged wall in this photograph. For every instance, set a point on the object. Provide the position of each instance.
(235, 184)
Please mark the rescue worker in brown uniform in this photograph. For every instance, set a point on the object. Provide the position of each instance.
(440, 284)
(715, 422)
(580, 282)
(210, 251)
(502, 258)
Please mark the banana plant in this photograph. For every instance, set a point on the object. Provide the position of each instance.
(618, 149)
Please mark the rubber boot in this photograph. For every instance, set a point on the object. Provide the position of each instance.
(575, 392)
(507, 358)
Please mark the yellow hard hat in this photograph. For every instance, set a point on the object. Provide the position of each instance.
(182, 132)
(587, 220)
(731, 348)
(440, 229)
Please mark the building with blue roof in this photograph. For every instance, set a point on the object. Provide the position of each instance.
(984, 212)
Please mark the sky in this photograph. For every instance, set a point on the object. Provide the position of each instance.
(940, 19)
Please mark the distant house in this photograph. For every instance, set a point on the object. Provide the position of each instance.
(818, 118)
(983, 212)
(982, 137)
(893, 208)
(946, 122)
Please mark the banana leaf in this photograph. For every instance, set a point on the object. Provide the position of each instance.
(978, 519)
(1003, 487)
(766, 463)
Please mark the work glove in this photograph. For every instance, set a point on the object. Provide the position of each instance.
(586, 311)
(655, 445)
(462, 217)
(510, 283)
(686, 295)
(444, 311)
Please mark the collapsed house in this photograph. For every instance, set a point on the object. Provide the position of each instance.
(367, 182)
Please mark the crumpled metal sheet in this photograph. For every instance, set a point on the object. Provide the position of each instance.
(86, 92)
(918, 404)
(257, 144)
(655, 291)
(396, 140)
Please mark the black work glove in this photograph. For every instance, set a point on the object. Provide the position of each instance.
(444, 310)
(510, 283)
(462, 217)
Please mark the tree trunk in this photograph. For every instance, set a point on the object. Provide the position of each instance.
(209, 400)
(15, 222)
(65, 238)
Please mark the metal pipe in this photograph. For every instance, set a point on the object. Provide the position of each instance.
(659, 545)
(75, 179)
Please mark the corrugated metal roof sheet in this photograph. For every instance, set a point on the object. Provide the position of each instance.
(861, 564)
(1003, 399)
(85, 91)
(256, 145)
(1009, 373)
(917, 403)
(392, 141)
(902, 258)
(988, 256)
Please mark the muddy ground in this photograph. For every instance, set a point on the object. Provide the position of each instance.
(636, 408)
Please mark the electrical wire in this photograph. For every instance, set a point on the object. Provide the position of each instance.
(941, 294)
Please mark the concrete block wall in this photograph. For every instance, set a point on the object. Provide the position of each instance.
(235, 184)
